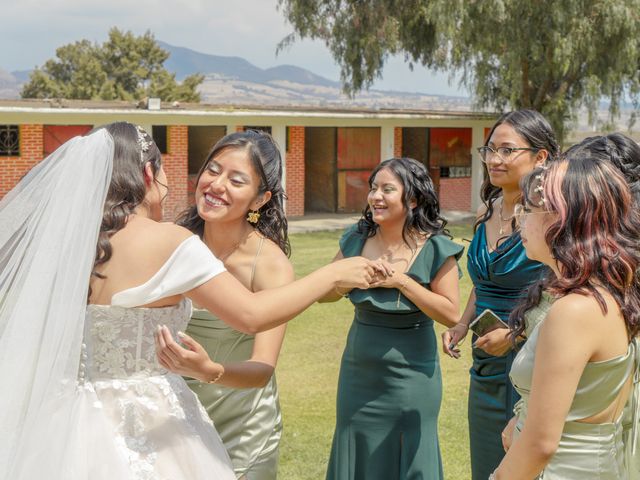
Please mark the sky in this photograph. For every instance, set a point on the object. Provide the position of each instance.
(33, 29)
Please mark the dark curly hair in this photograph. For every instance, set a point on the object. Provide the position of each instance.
(595, 237)
(267, 162)
(418, 186)
(536, 131)
(127, 188)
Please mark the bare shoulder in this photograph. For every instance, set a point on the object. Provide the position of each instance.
(575, 312)
(143, 236)
(482, 209)
(172, 233)
(273, 267)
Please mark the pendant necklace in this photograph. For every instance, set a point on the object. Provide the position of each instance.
(503, 220)
(228, 253)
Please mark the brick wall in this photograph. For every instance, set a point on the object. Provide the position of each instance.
(295, 172)
(31, 152)
(397, 142)
(455, 194)
(176, 166)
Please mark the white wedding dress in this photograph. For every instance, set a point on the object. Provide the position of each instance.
(83, 397)
(158, 429)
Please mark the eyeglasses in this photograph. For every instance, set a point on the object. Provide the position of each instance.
(503, 153)
(520, 213)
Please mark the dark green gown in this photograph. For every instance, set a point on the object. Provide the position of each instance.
(390, 386)
(500, 279)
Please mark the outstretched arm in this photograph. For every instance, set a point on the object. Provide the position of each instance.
(248, 312)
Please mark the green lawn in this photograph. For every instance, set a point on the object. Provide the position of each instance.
(308, 372)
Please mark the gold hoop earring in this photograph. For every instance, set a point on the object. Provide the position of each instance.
(253, 217)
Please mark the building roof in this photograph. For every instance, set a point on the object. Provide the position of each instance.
(51, 106)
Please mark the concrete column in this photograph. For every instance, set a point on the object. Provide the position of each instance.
(386, 142)
(279, 134)
(477, 168)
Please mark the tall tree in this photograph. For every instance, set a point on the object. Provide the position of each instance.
(125, 67)
(552, 56)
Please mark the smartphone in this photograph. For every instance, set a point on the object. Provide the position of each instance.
(486, 322)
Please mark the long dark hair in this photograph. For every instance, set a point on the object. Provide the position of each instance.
(595, 238)
(418, 186)
(133, 149)
(267, 163)
(536, 131)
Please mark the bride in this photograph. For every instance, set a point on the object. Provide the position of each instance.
(87, 275)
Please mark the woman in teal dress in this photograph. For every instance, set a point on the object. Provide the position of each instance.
(239, 215)
(500, 272)
(580, 362)
(390, 388)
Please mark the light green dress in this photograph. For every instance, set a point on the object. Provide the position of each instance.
(585, 451)
(248, 420)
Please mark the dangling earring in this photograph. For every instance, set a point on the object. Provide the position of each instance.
(253, 217)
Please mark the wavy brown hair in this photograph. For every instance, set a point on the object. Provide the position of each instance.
(417, 185)
(127, 188)
(267, 163)
(594, 239)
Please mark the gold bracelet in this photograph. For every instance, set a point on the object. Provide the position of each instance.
(217, 377)
(404, 284)
(345, 294)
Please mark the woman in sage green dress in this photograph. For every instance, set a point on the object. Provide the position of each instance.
(390, 387)
(239, 215)
(500, 272)
(577, 368)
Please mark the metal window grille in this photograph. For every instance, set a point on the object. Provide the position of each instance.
(9, 140)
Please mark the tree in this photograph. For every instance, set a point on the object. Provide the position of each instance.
(125, 67)
(551, 56)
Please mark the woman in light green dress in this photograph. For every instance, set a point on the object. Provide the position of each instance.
(576, 370)
(239, 215)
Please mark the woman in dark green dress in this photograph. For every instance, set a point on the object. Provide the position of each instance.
(390, 389)
(501, 272)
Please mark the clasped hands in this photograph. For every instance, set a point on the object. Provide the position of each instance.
(377, 273)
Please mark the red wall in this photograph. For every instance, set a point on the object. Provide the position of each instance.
(455, 194)
(294, 159)
(31, 152)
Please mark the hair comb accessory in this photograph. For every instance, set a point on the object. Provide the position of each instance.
(540, 189)
(143, 143)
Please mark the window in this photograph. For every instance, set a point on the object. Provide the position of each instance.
(159, 134)
(9, 140)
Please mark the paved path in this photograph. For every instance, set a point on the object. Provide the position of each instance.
(338, 221)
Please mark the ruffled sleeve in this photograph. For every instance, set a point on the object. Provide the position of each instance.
(188, 267)
(436, 251)
(351, 242)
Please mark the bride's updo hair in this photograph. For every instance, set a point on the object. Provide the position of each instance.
(133, 148)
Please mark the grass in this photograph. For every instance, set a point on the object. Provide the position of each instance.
(308, 374)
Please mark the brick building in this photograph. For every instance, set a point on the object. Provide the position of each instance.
(328, 153)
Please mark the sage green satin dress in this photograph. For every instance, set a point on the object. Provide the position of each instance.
(248, 419)
(586, 451)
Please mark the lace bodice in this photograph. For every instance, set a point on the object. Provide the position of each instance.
(119, 342)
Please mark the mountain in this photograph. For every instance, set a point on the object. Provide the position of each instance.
(235, 81)
(184, 61)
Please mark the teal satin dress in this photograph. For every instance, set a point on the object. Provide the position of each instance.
(500, 279)
(586, 450)
(390, 385)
